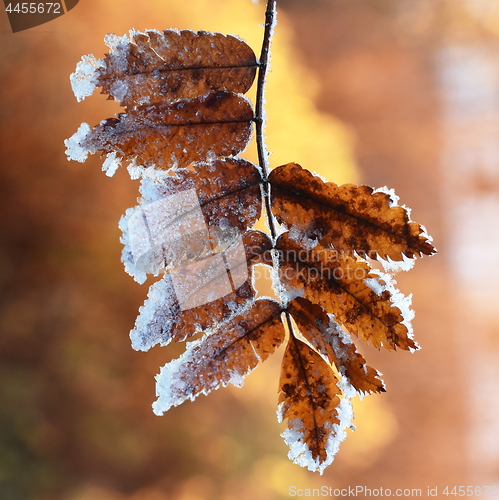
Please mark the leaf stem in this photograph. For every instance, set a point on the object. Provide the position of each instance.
(290, 325)
(270, 22)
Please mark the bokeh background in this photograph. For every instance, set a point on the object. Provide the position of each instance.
(403, 93)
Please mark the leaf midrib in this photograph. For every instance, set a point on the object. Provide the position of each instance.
(224, 349)
(183, 68)
(336, 209)
(366, 308)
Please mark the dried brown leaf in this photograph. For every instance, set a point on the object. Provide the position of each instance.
(309, 401)
(228, 191)
(338, 283)
(170, 135)
(226, 200)
(327, 338)
(189, 322)
(349, 218)
(161, 319)
(224, 357)
(156, 66)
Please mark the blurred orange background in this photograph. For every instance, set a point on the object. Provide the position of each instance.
(383, 92)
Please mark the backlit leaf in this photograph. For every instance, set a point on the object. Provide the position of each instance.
(155, 66)
(170, 135)
(309, 400)
(328, 339)
(161, 319)
(225, 201)
(347, 288)
(228, 190)
(349, 218)
(224, 357)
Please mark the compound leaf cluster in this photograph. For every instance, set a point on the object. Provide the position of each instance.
(185, 122)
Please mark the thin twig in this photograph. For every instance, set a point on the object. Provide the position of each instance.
(270, 20)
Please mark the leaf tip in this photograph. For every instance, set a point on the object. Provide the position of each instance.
(85, 78)
(116, 42)
(75, 151)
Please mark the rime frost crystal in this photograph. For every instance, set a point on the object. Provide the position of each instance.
(201, 282)
(156, 228)
(75, 150)
(224, 357)
(111, 164)
(300, 453)
(86, 77)
(156, 317)
(161, 233)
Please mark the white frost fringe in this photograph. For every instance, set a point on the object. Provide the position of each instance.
(75, 150)
(84, 80)
(173, 390)
(382, 282)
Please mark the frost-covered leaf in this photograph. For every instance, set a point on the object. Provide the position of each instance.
(144, 68)
(169, 135)
(155, 66)
(228, 190)
(194, 213)
(309, 400)
(360, 301)
(349, 218)
(224, 357)
(326, 336)
(161, 318)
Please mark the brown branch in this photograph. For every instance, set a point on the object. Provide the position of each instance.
(270, 20)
